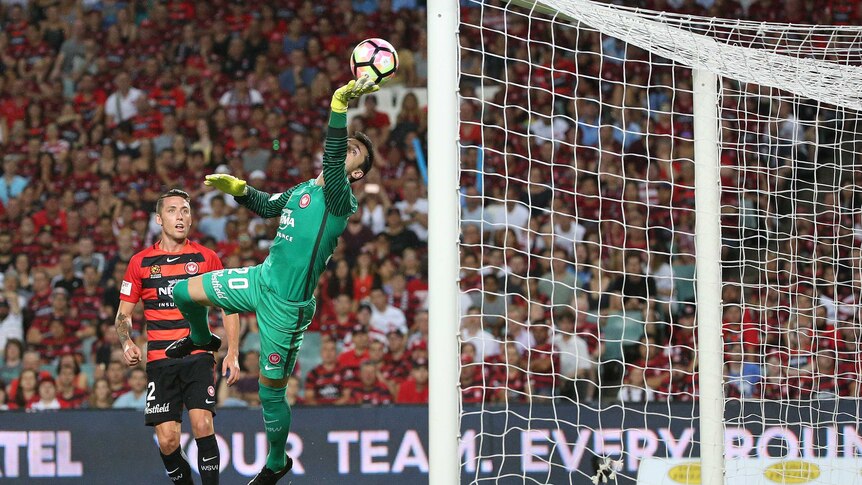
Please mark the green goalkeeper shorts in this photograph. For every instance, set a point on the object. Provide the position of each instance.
(281, 323)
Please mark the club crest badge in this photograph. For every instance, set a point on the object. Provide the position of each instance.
(304, 201)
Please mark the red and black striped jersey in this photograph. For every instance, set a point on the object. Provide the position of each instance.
(376, 394)
(151, 276)
(327, 385)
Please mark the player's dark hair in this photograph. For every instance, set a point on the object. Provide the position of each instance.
(369, 159)
(172, 193)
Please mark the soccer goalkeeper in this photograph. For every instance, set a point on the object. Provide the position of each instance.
(280, 291)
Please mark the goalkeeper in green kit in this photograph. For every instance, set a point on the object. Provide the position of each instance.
(280, 291)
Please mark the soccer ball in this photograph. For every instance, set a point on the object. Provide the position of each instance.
(374, 57)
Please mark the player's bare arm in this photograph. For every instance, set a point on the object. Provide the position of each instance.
(123, 326)
(230, 366)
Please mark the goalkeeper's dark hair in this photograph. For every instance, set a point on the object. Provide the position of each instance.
(369, 146)
(172, 193)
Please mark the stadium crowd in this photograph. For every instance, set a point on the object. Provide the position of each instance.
(578, 241)
(107, 103)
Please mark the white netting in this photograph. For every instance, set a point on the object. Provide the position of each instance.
(578, 243)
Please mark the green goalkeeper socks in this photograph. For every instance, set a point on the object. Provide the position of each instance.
(196, 314)
(276, 420)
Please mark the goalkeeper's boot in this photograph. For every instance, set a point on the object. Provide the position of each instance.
(185, 346)
(269, 477)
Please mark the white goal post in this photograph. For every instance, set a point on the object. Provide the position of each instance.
(578, 150)
(443, 403)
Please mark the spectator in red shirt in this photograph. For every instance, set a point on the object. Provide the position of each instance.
(57, 341)
(376, 355)
(116, 376)
(544, 362)
(396, 366)
(88, 298)
(51, 215)
(369, 389)
(89, 101)
(59, 309)
(47, 396)
(351, 359)
(740, 324)
(48, 257)
(24, 391)
(16, 29)
(505, 377)
(69, 394)
(338, 322)
(147, 121)
(40, 302)
(375, 118)
(168, 97)
(472, 391)
(414, 390)
(25, 242)
(326, 383)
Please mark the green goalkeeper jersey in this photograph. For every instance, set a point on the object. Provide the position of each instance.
(312, 217)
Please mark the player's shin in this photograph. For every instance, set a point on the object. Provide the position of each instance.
(208, 459)
(195, 313)
(177, 466)
(276, 421)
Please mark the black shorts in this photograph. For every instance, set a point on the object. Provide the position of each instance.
(172, 386)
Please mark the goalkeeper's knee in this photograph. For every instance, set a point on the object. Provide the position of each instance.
(272, 395)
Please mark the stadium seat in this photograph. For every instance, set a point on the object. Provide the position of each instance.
(309, 353)
(683, 282)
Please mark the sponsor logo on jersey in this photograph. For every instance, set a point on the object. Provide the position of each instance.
(169, 290)
(155, 271)
(211, 391)
(192, 268)
(304, 201)
(285, 220)
(274, 358)
(126, 288)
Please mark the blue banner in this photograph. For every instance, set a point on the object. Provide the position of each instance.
(383, 445)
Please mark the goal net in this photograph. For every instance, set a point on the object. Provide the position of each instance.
(631, 304)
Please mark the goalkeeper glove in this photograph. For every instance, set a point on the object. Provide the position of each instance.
(227, 183)
(351, 91)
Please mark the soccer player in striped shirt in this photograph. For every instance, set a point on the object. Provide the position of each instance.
(151, 276)
(313, 214)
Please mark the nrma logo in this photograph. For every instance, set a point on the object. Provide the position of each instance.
(286, 220)
(169, 290)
